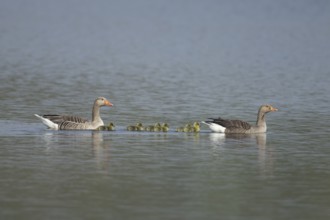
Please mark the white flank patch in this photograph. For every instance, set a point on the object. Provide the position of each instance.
(49, 124)
(215, 127)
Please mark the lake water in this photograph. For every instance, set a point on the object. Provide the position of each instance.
(174, 62)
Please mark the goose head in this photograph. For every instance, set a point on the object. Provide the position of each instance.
(267, 108)
(101, 101)
(263, 110)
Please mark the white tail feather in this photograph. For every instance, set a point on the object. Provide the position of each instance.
(49, 124)
(215, 127)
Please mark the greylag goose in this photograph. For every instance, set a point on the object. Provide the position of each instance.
(241, 127)
(68, 122)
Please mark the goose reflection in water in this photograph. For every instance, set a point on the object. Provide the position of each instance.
(80, 141)
(219, 139)
(101, 151)
(226, 141)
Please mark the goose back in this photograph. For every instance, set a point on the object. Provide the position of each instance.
(70, 125)
(61, 118)
(231, 124)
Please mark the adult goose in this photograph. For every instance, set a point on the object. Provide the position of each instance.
(69, 122)
(241, 127)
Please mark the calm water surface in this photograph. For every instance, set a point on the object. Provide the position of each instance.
(173, 62)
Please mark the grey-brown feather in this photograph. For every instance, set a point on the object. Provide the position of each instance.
(231, 124)
(68, 122)
(70, 125)
(58, 119)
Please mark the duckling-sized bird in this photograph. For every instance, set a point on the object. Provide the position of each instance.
(195, 127)
(131, 128)
(186, 128)
(149, 127)
(102, 128)
(137, 127)
(111, 126)
(154, 128)
(165, 127)
(241, 127)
